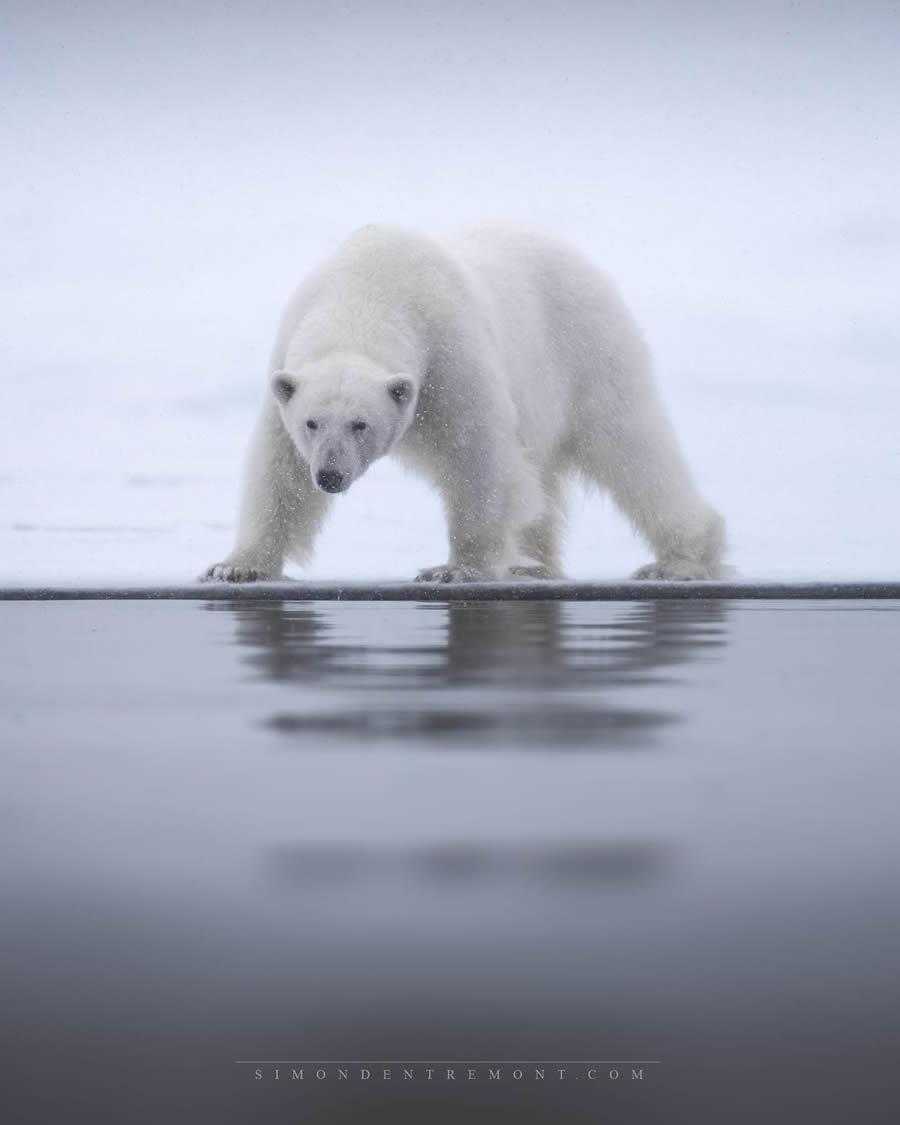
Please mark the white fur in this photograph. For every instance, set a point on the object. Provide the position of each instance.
(495, 365)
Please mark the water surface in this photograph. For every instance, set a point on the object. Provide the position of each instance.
(340, 833)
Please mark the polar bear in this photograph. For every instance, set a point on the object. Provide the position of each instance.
(495, 364)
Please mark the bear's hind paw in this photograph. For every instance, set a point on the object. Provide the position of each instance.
(674, 570)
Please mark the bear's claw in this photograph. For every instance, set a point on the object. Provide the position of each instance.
(226, 572)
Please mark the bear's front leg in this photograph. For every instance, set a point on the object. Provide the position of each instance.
(281, 509)
(478, 515)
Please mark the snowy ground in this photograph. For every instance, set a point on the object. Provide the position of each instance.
(735, 170)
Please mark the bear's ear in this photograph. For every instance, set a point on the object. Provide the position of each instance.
(284, 384)
(401, 389)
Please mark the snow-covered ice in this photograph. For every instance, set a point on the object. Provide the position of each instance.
(735, 170)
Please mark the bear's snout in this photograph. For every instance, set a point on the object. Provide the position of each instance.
(330, 480)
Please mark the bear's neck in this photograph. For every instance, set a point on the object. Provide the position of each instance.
(384, 339)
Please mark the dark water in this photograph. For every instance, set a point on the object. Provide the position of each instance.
(656, 838)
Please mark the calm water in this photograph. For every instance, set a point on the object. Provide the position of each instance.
(441, 835)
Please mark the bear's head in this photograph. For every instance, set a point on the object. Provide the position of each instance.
(342, 413)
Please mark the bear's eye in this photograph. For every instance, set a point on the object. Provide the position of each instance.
(358, 427)
(312, 424)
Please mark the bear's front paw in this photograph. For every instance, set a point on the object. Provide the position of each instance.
(674, 570)
(228, 572)
(537, 572)
(450, 573)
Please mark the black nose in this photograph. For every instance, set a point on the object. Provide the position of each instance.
(330, 479)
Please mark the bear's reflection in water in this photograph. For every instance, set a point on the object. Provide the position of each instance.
(504, 675)
(536, 676)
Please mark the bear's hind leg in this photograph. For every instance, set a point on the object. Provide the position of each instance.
(641, 464)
